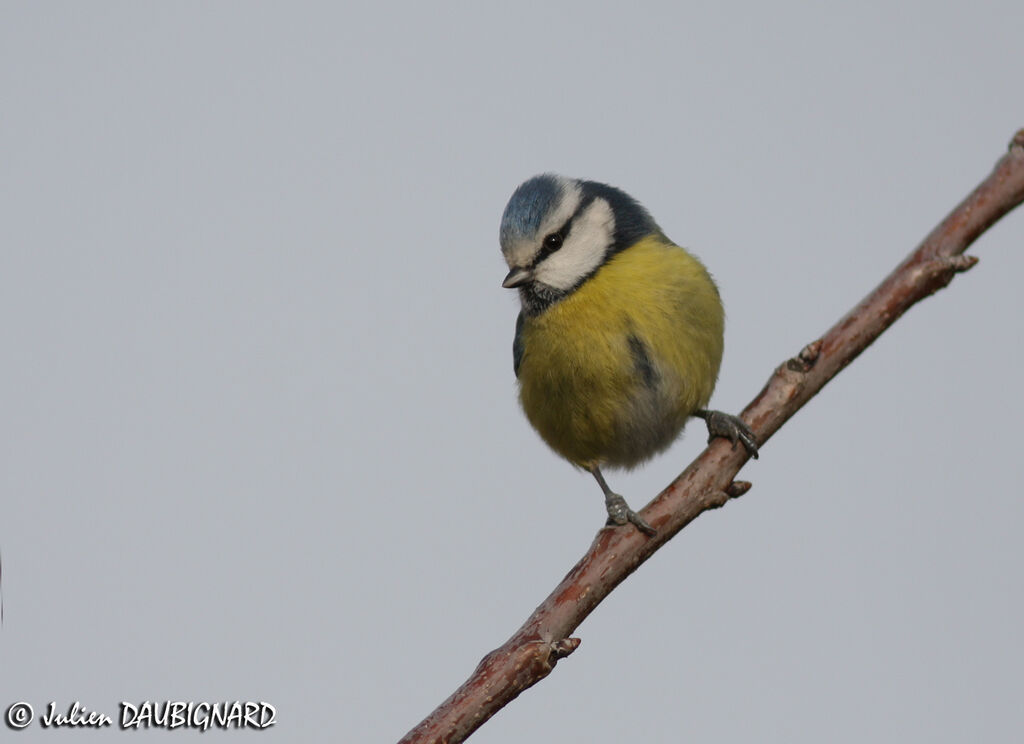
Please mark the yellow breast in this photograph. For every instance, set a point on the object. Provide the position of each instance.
(610, 374)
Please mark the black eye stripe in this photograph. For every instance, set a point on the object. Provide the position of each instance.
(553, 241)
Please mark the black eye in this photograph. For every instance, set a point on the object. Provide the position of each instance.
(553, 242)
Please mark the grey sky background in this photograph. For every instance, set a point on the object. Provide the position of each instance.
(260, 437)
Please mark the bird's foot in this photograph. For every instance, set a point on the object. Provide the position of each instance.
(730, 427)
(619, 513)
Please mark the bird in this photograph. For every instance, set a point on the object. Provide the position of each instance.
(619, 337)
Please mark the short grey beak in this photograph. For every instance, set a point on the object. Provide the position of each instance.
(517, 278)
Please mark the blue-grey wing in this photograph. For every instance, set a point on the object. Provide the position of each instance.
(517, 345)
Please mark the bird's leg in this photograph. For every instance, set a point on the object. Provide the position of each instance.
(618, 510)
(731, 427)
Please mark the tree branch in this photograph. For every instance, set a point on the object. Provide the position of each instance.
(530, 655)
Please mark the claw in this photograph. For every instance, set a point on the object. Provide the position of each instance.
(618, 509)
(619, 513)
(637, 521)
(730, 427)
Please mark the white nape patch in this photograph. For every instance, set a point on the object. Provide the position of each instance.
(522, 253)
(584, 249)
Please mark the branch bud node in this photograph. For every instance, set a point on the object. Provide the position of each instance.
(808, 355)
(962, 263)
(738, 488)
(561, 649)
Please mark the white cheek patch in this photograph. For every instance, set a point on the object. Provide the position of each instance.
(522, 252)
(584, 249)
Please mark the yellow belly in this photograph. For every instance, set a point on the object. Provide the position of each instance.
(610, 374)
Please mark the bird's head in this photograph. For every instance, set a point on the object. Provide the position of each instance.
(556, 233)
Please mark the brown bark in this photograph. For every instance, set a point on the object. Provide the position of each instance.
(530, 655)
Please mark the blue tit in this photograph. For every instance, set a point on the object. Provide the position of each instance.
(619, 338)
